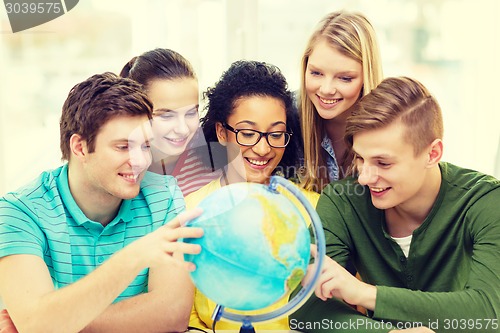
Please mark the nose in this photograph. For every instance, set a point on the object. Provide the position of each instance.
(139, 159)
(262, 147)
(368, 175)
(327, 87)
(181, 127)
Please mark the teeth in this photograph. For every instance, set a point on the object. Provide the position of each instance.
(329, 101)
(377, 189)
(259, 163)
(133, 177)
(176, 140)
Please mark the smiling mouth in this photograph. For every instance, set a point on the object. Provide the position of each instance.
(329, 101)
(130, 177)
(175, 140)
(257, 162)
(379, 189)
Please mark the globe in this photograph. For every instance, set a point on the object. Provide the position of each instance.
(256, 247)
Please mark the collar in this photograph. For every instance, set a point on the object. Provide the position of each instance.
(124, 214)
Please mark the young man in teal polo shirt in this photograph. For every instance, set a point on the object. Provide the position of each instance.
(423, 234)
(92, 246)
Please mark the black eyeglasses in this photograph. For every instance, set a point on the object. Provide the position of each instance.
(250, 137)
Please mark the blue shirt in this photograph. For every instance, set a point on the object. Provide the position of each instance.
(331, 161)
(43, 219)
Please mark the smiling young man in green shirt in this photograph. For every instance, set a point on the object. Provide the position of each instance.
(424, 235)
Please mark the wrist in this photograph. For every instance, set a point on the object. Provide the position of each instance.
(129, 259)
(369, 297)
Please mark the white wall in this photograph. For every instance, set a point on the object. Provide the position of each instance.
(456, 58)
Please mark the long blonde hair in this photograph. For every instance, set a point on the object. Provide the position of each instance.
(352, 35)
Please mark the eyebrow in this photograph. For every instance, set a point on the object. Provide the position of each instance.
(346, 72)
(381, 156)
(191, 107)
(118, 141)
(254, 124)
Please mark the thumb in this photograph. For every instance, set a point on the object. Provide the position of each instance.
(183, 218)
(314, 250)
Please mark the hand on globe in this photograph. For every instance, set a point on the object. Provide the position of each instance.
(336, 281)
(161, 247)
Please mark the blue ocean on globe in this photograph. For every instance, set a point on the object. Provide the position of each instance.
(255, 248)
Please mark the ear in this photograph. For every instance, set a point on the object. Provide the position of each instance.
(78, 146)
(435, 153)
(221, 133)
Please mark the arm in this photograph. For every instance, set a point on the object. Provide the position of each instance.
(166, 306)
(475, 306)
(478, 302)
(34, 305)
(322, 312)
(6, 324)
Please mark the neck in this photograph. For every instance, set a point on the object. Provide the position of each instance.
(96, 204)
(230, 176)
(162, 167)
(404, 218)
(335, 130)
(162, 163)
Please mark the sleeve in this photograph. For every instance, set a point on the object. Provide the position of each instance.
(19, 233)
(177, 204)
(334, 315)
(163, 196)
(477, 306)
(336, 234)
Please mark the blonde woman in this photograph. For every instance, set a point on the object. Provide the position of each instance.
(341, 63)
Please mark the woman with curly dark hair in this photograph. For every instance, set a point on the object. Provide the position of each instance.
(249, 112)
(255, 84)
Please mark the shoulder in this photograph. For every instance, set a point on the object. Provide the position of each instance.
(161, 193)
(154, 183)
(343, 197)
(194, 198)
(41, 193)
(311, 196)
(462, 183)
(29, 214)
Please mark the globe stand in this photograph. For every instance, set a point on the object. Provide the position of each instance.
(246, 326)
(302, 296)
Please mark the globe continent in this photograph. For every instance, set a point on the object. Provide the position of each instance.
(255, 249)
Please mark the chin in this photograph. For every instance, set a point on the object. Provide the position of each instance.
(383, 205)
(130, 194)
(258, 180)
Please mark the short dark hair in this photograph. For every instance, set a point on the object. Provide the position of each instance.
(246, 78)
(91, 103)
(398, 98)
(159, 63)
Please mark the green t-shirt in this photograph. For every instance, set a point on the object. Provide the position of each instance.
(451, 278)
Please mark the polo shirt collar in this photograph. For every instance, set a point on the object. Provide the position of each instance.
(124, 214)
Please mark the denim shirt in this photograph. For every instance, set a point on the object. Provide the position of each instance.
(331, 162)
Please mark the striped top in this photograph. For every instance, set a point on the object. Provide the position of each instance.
(43, 219)
(191, 173)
